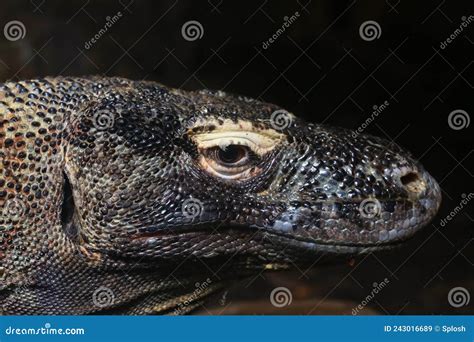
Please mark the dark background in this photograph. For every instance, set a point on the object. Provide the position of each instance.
(320, 69)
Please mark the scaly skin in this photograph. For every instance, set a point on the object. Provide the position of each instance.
(117, 196)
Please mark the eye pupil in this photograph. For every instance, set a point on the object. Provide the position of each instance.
(231, 154)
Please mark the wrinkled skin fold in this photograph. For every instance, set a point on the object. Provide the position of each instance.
(128, 197)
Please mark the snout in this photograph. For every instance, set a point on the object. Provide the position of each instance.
(420, 187)
(381, 202)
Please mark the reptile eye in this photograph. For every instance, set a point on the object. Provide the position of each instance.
(232, 154)
(232, 162)
(233, 151)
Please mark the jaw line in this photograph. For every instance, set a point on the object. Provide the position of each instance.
(285, 239)
(319, 246)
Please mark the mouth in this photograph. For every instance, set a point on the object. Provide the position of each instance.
(353, 226)
(312, 240)
(285, 247)
(304, 246)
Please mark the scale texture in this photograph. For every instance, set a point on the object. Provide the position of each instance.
(129, 197)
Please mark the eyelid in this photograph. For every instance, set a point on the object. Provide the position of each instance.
(228, 173)
(258, 143)
(211, 133)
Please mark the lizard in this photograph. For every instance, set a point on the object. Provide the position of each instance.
(131, 197)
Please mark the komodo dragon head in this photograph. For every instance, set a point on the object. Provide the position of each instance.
(120, 196)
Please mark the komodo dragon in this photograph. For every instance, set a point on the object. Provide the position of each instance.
(129, 197)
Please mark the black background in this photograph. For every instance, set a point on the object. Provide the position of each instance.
(320, 69)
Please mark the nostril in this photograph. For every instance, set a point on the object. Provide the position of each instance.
(410, 177)
(413, 182)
